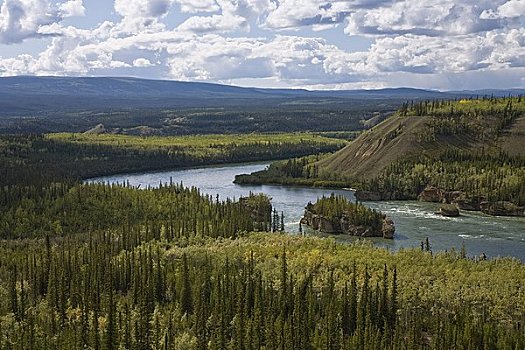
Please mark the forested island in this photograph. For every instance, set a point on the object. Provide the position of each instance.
(336, 214)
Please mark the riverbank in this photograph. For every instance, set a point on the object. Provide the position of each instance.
(463, 200)
(414, 220)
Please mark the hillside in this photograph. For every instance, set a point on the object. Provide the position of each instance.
(468, 125)
(513, 139)
(469, 153)
(375, 149)
(29, 95)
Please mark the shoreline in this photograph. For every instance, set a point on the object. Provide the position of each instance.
(333, 185)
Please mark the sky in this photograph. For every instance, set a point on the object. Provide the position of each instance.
(315, 44)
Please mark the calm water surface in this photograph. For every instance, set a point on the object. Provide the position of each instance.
(494, 236)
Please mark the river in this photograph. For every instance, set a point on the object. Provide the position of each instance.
(493, 236)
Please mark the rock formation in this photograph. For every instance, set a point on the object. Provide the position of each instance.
(462, 201)
(502, 208)
(449, 210)
(343, 225)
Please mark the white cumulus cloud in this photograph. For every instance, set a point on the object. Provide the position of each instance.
(72, 8)
(214, 23)
(142, 14)
(142, 63)
(194, 6)
(23, 19)
(429, 43)
(510, 9)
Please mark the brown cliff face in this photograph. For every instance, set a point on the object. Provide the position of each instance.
(376, 148)
(400, 137)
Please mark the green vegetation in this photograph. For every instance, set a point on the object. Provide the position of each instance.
(196, 145)
(336, 214)
(493, 177)
(60, 157)
(341, 135)
(475, 146)
(112, 289)
(485, 118)
(106, 267)
(301, 171)
(171, 211)
(252, 116)
(335, 207)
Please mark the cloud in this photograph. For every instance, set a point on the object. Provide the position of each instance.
(142, 63)
(510, 9)
(430, 18)
(298, 13)
(434, 55)
(195, 6)
(423, 41)
(295, 60)
(140, 15)
(72, 8)
(213, 57)
(24, 19)
(215, 23)
(388, 17)
(292, 14)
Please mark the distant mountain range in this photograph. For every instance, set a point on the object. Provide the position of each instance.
(23, 95)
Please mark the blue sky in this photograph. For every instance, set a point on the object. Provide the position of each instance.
(318, 44)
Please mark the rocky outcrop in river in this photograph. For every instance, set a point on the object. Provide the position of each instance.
(449, 210)
(367, 196)
(343, 225)
(502, 208)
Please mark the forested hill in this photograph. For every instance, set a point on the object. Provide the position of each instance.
(490, 125)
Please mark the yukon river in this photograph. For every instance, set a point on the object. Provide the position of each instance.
(493, 236)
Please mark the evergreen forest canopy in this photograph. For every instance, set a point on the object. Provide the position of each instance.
(100, 266)
(109, 266)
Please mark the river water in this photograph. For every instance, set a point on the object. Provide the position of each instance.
(493, 236)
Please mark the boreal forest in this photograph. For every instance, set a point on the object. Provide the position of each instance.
(107, 266)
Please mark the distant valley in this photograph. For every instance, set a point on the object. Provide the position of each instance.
(150, 107)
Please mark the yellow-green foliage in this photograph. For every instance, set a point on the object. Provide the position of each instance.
(158, 272)
(195, 144)
(496, 177)
(484, 117)
(473, 106)
(445, 278)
